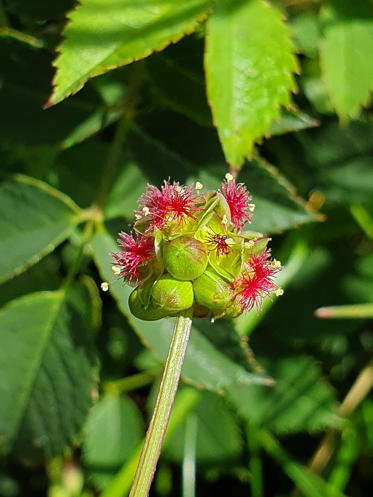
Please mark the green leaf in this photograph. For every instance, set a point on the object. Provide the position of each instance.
(249, 64)
(24, 91)
(205, 366)
(306, 27)
(291, 120)
(346, 47)
(299, 401)
(35, 219)
(216, 442)
(125, 192)
(277, 207)
(104, 34)
(113, 431)
(178, 82)
(46, 392)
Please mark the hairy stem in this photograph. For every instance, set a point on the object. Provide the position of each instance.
(162, 409)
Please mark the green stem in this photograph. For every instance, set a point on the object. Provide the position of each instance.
(162, 409)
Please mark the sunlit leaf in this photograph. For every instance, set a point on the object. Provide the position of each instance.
(249, 64)
(346, 47)
(105, 34)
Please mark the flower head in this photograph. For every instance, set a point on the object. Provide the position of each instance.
(136, 254)
(174, 202)
(255, 281)
(187, 240)
(238, 200)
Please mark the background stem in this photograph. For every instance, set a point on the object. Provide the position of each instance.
(162, 409)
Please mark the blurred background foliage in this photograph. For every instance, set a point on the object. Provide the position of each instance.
(78, 373)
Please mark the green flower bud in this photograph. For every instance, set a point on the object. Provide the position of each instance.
(199, 311)
(171, 295)
(185, 258)
(141, 309)
(211, 291)
(233, 311)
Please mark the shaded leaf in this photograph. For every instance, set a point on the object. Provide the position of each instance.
(104, 34)
(122, 199)
(24, 92)
(249, 64)
(35, 219)
(177, 80)
(46, 392)
(217, 442)
(291, 120)
(346, 47)
(205, 366)
(299, 401)
(277, 207)
(113, 431)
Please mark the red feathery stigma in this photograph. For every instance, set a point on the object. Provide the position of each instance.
(218, 243)
(255, 282)
(172, 203)
(135, 255)
(238, 199)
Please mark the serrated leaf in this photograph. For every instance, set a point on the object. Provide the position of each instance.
(113, 431)
(299, 401)
(35, 218)
(346, 48)
(104, 34)
(205, 366)
(249, 63)
(46, 392)
(216, 442)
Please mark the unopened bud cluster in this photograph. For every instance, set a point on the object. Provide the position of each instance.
(188, 251)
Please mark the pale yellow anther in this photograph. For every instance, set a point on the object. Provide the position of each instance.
(249, 244)
(179, 189)
(116, 270)
(104, 286)
(229, 177)
(224, 220)
(138, 216)
(279, 292)
(198, 186)
(146, 211)
(251, 207)
(275, 263)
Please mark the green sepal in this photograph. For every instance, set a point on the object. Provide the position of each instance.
(141, 306)
(185, 258)
(233, 311)
(213, 292)
(171, 295)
